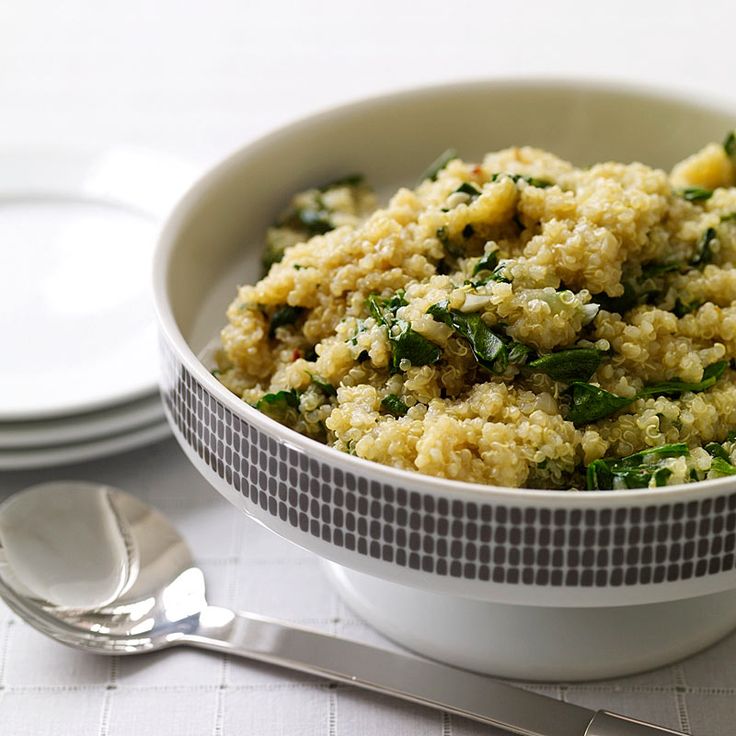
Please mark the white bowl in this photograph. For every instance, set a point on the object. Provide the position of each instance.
(523, 583)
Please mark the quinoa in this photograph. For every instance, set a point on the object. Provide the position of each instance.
(516, 321)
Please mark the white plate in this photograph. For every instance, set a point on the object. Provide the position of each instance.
(81, 427)
(24, 459)
(77, 233)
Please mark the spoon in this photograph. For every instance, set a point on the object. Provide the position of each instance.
(97, 569)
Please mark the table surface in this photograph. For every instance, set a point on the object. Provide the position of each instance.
(196, 80)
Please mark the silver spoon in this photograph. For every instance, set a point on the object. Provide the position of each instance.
(96, 568)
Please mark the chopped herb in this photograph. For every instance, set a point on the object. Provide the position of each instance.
(674, 388)
(351, 180)
(729, 144)
(284, 315)
(324, 386)
(633, 471)
(470, 189)
(533, 181)
(282, 406)
(488, 348)
(695, 194)
(394, 405)
(569, 365)
(722, 466)
(486, 262)
(216, 372)
(730, 217)
(438, 164)
(298, 267)
(705, 252)
(590, 403)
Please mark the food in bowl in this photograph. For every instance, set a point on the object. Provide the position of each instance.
(516, 321)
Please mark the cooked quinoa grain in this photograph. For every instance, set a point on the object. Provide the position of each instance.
(515, 322)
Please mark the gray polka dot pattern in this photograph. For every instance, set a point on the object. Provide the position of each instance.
(447, 536)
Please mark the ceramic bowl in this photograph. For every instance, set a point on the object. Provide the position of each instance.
(522, 583)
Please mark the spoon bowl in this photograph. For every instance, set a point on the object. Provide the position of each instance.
(95, 567)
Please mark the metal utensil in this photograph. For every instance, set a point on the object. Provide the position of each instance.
(97, 569)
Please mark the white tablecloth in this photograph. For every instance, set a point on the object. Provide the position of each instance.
(197, 79)
(47, 689)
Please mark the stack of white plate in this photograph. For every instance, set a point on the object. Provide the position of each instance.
(78, 364)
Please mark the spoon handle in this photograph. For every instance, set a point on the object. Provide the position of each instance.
(404, 676)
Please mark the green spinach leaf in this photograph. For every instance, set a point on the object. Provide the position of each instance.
(284, 315)
(488, 348)
(406, 343)
(729, 144)
(450, 247)
(519, 353)
(569, 365)
(324, 386)
(410, 345)
(487, 262)
(470, 189)
(695, 194)
(283, 406)
(724, 467)
(682, 308)
(620, 304)
(635, 289)
(633, 471)
(383, 309)
(394, 405)
(314, 222)
(705, 251)
(590, 403)
(674, 388)
(717, 450)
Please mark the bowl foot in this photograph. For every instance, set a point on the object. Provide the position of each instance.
(537, 642)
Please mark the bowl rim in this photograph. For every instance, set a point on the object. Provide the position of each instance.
(169, 329)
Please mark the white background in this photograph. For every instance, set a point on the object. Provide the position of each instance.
(197, 79)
